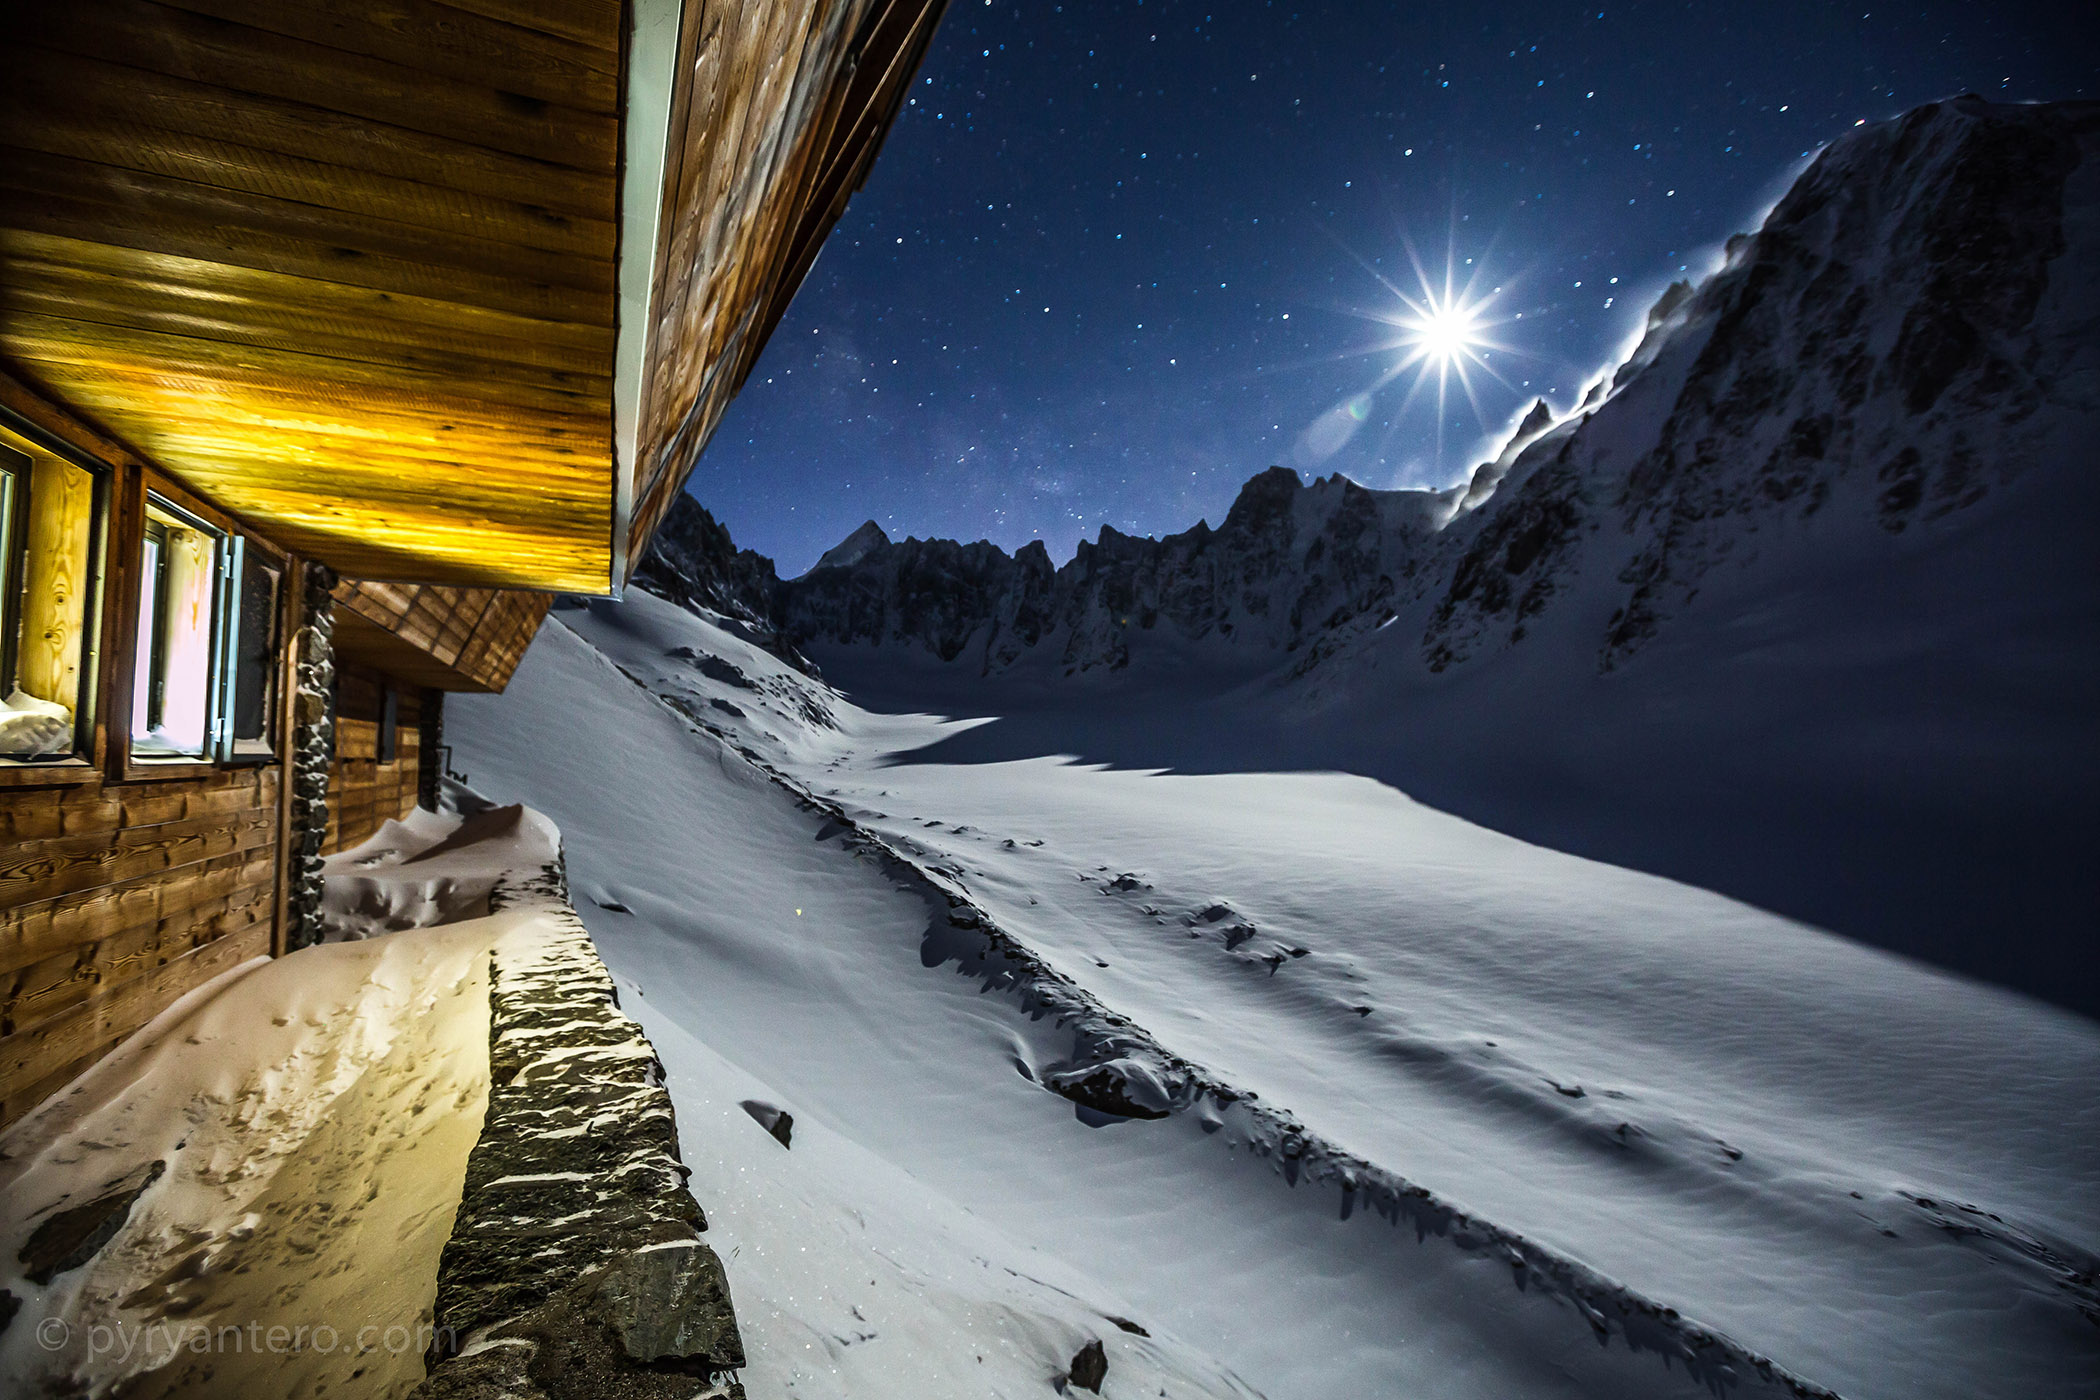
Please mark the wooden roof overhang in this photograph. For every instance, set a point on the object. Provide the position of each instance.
(345, 267)
(352, 269)
(776, 120)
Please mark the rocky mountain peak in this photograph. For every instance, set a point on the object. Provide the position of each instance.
(1873, 354)
(855, 547)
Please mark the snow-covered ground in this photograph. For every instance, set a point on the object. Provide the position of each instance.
(310, 1118)
(1883, 1179)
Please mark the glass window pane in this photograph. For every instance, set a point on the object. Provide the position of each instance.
(142, 686)
(179, 580)
(255, 661)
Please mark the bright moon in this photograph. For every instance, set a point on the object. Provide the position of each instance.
(1445, 332)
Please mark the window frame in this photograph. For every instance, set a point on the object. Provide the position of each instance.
(247, 553)
(14, 556)
(87, 754)
(156, 497)
(146, 487)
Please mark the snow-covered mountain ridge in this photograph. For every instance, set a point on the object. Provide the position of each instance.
(1910, 326)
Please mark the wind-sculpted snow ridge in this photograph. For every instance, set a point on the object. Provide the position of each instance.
(1118, 1070)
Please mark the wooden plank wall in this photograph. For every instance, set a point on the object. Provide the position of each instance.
(114, 901)
(776, 117)
(363, 791)
(118, 896)
(348, 270)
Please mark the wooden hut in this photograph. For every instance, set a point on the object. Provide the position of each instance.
(335, 337)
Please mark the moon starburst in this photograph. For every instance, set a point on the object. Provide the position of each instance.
(1446, 333)
(1441, 331)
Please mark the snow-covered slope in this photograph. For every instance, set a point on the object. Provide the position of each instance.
(1329, 1092)
(1798, 603)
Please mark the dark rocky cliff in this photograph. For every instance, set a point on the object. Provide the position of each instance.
(1289, 561)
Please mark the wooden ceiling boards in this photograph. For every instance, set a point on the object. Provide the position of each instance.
(350, 268)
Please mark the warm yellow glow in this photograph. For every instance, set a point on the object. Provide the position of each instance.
(47, 518)
(498, 473)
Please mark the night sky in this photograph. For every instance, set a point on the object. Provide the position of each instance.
(1117, 257)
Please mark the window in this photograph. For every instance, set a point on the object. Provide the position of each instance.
(174, 683)
(205, 683)
(49, 519)
(383, 745)
(252, 670)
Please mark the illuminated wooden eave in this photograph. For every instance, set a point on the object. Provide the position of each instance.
(355, 273)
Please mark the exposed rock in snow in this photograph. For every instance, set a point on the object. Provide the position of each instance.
(68, 1238)
(1119, 1088)
(1090, 1367)
(774, 1119)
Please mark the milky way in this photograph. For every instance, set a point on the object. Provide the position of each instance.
(1117, 257)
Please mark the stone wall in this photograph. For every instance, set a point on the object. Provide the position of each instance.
(575, 1267)
(430, 750)
(313, 752)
